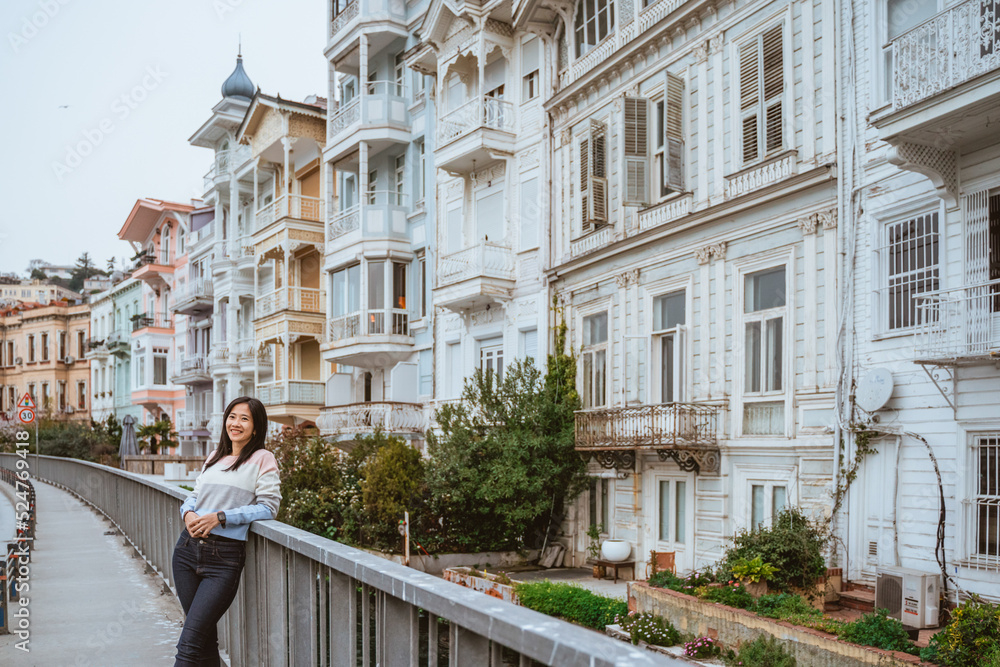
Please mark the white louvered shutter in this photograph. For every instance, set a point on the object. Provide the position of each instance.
(774, 88)
(585, 224)
(750, 100)
(635, 136)
(673, 130)
(597, 185)
(762, 92)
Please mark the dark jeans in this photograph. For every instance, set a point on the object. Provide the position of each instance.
(207, 575)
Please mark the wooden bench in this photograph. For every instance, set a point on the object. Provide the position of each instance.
(616, 565)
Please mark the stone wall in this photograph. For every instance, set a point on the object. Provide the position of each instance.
(732, 627)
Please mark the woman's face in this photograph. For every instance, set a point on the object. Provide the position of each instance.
(239, 425)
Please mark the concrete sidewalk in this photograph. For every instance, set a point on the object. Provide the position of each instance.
(91, 602)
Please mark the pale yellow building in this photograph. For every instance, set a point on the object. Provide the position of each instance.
(35, 291)
(42, 353)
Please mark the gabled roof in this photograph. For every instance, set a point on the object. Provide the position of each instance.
(145, 215)
(261, 103)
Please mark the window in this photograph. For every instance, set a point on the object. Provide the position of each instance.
(425, 361)
(494, 78)
(530, 214)
(31, 348)
(670, 134)
(61, 337)
(764, 316)
(635, 137)
(529, 344)
(140, 368)
(900, 16)
(593, 177)
(61, 396)
(762, 87)
(767, 500)
(418, 84)
(45, 347)
(376, 294)
(160, 365)
(31, 392)
(986, 499)
(372, 184)
(399, 176)
(595, 19)
(910, 255)
(399, 285)
(491, 357)
(595, 360)
(80, 343)
(165, 246)
(672, 511)
(180, 241)
(529, 68)
(419, 173)
(453, 359)
(668, 353)
(421, 285)
(81, 394)
(398, 72)
(599, 509)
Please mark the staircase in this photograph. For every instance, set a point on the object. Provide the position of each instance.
(858, 597)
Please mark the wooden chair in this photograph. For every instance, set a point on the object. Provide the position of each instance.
(661, 560)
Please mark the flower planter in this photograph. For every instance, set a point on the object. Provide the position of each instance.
(484, 584)
(756, 589)
(615, 550)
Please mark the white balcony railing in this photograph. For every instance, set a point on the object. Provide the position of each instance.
(239, 247)
(248, 352)
(347, 115)
(488, 112)
(291, 206)
(960, 324)
(345, 222)
(348, 14)
(366, 417)
(225, 162)
(290, 298)
(485, 260)
(375, 322)
(193, 420)
(349, 220)
(292, 391)
(194, 289)
(944, 51)
(194, 364)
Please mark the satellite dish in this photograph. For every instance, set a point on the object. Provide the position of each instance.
(874, 390)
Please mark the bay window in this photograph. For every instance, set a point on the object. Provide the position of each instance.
(595, 360)
(764, 311)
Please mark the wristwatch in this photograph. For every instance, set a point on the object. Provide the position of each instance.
(222, 518)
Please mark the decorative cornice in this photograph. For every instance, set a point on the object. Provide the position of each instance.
(628, 277)
(808, 223)
(828, 218)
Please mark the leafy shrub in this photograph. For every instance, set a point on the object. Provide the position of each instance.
(753, 569)
(688, 584)
(702, 647)
(785, 605)
(763, 651)
(649, 628)
(878, 630)
(972, 634)
(571, 603)
(731, 596)
(793, 545)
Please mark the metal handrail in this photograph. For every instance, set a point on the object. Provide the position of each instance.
(306, 597)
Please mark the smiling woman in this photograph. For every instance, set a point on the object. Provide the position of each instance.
(238, 484)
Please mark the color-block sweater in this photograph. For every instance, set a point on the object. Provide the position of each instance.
(251, 493)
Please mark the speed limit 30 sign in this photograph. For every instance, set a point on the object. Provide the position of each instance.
(26, 415)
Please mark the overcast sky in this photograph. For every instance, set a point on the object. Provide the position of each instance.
(100, 97)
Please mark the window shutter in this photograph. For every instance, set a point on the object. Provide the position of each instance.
(749, 99)
(635, 133)
(585, 224)
(774, 87)
(673, 129)
(598, 181)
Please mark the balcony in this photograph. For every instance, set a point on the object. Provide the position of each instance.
(381, 216)
(195, 298)
(119, 343)
(368, 339)
(193, 421)
(945, 81)
(478, 132)
(475, 277)
(300, 299)
(960, 326)
(298, 207)
(684, 432)
(156, 320)
(378, 117)
(96, 349)
(226, 162)
(193, 370)
(153, 269)
(300, 392)
(222, 359)
(361, 418)
(248, 355)
(387, 19)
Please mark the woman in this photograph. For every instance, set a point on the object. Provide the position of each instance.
(238, 484)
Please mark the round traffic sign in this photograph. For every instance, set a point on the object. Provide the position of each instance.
(26, 415)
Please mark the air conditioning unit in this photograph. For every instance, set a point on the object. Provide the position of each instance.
(18, 360)
(69, 361)
(911, 596)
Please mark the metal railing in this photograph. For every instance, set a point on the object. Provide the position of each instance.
(307, 600)
(349, 220)
(302, 299)
(373, 322)
(388, 416)
(161, 320)
(485, 260)
(346, 15)
(960, 324)
(347, 115)
(192, 291)
(944, 51)
(299, 207)
(292, 391)
(488, 112)
(647, 426)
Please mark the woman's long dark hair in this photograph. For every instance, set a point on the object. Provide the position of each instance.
(225, 448)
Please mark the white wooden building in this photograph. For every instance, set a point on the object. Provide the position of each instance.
(921, 166)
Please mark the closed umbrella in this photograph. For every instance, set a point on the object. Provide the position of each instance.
(128, 445)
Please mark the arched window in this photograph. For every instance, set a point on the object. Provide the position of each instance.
(595, 19)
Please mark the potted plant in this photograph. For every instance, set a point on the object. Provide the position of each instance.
(594, 549)
(754, 573)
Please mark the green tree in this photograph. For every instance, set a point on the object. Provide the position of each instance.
(157, 436)
(38, 274)
(504, 465)
(391, 481)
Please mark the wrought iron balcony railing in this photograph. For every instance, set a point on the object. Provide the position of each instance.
(480, 112)
(647, 426)
(388, 416)
(959, 325)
